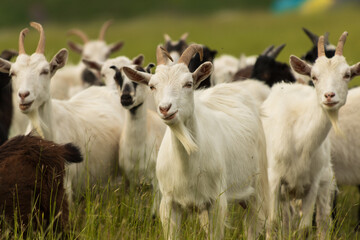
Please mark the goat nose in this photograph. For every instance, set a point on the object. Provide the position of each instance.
(164, 109)
(329, 95)
(23, 95)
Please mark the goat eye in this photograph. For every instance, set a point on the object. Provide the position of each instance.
(314, 78)
(347, 75)
(44, 72)
(188, 85)
(152, 88)
(12, 74)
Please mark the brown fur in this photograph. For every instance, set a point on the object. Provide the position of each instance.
(31, 177)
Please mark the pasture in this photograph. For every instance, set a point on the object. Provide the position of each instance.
(114, 212)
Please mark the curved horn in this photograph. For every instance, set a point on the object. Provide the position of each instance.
(189, 53)
(162, 55)
(103, 30)
(41, 45)
(340, 45)
(313, 37)
(21, 40)
(321, 48)
(80, 34)
(274, 53)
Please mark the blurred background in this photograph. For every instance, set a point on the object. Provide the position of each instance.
(228, 26)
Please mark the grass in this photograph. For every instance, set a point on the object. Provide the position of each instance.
(112, 212)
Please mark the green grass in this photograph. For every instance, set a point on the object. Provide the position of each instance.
(112, 212)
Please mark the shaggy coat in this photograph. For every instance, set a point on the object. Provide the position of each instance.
(32, 174)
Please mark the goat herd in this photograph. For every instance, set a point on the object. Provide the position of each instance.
(212, 131)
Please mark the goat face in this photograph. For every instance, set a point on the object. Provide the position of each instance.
(132, 94)
(96, 50)
(330, 76)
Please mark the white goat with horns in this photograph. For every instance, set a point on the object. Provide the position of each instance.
(75, 78)
(297, 120)
(213, 150)
(90, 120)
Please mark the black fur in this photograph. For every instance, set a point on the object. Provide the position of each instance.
(179, 47)
(208, 56)
(90, 78)
(270, 71)
(118, 76)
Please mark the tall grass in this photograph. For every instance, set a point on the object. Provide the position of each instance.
(115, 212)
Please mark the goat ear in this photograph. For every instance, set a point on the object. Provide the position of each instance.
(8, 54)
(300, 66)
(115, 47)
(75, 47)
(136, 76)
(5, 65)
(93, 64)
(138, 60)
(58, 61)
(355, 70)
(201, 73)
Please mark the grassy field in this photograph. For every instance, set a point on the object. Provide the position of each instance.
(111, 212)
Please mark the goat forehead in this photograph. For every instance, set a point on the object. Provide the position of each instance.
(33, 62)
(175, 74)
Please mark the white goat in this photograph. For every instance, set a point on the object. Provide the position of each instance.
(74, 78)
(213, 150)
(141, 136)
(90, 120)
(297, 120)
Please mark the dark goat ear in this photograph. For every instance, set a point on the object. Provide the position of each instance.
(201, 73)
(58, 61)
(313, 37)
(116, 47)
(75, 47)
(355, 70)
(8, 54)
(300, 66)
(138, 60)
(149, 67)
(5, 65)
(92, 64)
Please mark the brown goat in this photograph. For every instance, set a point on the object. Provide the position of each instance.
(32, 173)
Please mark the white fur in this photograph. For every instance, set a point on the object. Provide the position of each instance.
(296, 123)
(91, 120)
(140, 140)
(345, 150)
(67, 81)
(213, 152)
(226, 66)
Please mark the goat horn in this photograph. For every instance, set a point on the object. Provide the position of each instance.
(189, 53)
(313, 37)
(80, 34)
(340, 45)
(162, 55)
(167, 38)
(326, 38)
(184, 36)
(274, 53)
(41, 45)
(21, 41)
(103, 30)
(321, 48)
(267, 50)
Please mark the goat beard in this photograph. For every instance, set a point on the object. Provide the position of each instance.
(334, 119)
(185, 137)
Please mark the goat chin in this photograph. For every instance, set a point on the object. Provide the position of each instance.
(334, 119)
(185, 137)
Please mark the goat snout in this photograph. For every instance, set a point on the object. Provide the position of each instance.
(126, 100)
(23, 95)
(165, 109)
(329, 95)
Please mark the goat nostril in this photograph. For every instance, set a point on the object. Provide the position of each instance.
(165, 109)
(330, 95)
(23, 95)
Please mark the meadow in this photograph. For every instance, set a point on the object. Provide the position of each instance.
(114, 212)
